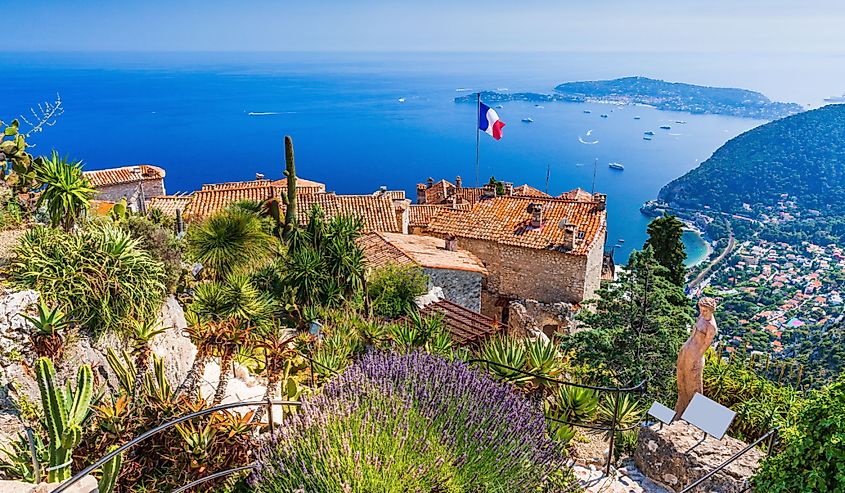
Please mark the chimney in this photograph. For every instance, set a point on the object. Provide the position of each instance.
(508, 189)
(488, 191)
(429, 182)
(457, 182)
(536, 215)
(259, 176)
(569, 234)
(452, 243)
(420, 193)
(601, 200)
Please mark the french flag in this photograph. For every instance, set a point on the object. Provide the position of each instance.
(489, 122)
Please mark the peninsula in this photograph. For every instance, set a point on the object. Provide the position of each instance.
(668, 96)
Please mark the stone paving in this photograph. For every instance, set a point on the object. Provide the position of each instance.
(626, 479)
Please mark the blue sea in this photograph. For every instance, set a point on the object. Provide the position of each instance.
(210, 117)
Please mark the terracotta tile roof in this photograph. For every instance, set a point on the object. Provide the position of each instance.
(169, 203)
(302, 185)
(424, 251)
(438, 192)
(507, 220)
(117, 176)
(421, 214)
(470, 195)
(576, 194)
(393, 194)
(529, 191)
(206, 202)
(380, 252)
(464, 325)
(377, 212)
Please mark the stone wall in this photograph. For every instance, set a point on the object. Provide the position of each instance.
(131, 191)
(530, 318)
(542, 275)
(461, 287)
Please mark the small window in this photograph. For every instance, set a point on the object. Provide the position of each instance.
(550, 330)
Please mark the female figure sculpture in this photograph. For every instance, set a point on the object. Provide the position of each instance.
(691, 355)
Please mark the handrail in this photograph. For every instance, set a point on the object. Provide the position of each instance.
(730, 460)
(143, 436)
(596, 428)
(637, 388)
(216, 475)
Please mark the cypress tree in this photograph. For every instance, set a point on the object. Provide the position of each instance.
(289, 198)
(664, 237)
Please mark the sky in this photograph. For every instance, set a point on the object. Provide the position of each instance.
(747, 26)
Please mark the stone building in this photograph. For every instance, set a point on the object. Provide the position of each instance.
(548, 250)
(136, 184)
(444, 192)
(457, 272)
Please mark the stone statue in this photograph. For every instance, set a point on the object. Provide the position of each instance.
(691, 355)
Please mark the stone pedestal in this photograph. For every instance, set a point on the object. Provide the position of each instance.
(661, 456)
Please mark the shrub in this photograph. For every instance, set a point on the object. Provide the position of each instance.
(160, 243)
(392, 289)
(815, 449)
(413, 422)
(100, 276)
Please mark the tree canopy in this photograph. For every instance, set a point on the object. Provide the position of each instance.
(664, 237)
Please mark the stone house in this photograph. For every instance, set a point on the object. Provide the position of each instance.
(444, 192)
(136, 184)
(547, 250)
(459, 273)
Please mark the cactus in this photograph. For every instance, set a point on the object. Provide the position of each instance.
(289, 198)
(64, 412)
(111, 470)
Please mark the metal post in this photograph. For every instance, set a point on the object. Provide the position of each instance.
(36, 466)
(270, 412)
(612, 433)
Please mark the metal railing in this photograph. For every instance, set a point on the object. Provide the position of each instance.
(731, 459)
(158, 429)
(616, 391)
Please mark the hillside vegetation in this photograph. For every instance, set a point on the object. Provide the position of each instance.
(801, 155)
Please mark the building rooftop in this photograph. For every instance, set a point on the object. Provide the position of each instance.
(576, 194)
(168, 204)
(507, 220)
(529, 191)
(464, 325)
(122, 175)
(422, 214)
(302, 185)
(424, 251)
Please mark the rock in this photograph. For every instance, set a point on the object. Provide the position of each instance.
(88, 484)
(172, 345)
(434, 294)
(666, 462)
(533, 319)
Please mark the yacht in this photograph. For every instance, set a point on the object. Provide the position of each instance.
(587, 111)
(618, 166)
(636, 118)
(665, 127)
(648, 132)
(527, 120)
(604, 116)
(646, 137)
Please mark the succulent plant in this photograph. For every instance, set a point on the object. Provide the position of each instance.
(289, 198)
(64, 412)
(47, 339)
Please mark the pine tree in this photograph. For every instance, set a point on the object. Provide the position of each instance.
(664, 237)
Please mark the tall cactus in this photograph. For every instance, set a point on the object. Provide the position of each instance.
(111, 470)
(290, 197)
(64, 412)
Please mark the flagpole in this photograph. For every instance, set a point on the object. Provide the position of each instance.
(477, 133)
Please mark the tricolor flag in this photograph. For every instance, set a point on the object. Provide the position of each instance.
(489, 122)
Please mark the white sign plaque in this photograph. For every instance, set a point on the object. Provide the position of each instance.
(661, 412)
(708, 415)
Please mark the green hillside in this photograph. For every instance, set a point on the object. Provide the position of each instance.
(801, 155)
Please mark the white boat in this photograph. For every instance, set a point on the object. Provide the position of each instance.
(618, 166)
(680, 122)
(636, 118)
(648, 132)
(646, 137)
(527, 120)
(587, 111)
(665, 127)
(539, 106)
(603, 116)
(499, 106)
(401, 100)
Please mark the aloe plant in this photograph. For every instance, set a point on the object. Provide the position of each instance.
(48, 324)
(64, 411)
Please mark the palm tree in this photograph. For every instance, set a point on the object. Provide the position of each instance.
(66, 190)
(230, 241)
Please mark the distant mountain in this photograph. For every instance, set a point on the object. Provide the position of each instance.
(801, 155)
(671, 96)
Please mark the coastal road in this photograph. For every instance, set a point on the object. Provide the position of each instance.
(707, 270)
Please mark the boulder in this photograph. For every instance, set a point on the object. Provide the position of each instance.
(534, 319)
(88, 484)
(662, 456)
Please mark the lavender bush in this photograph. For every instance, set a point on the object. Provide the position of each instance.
(412, 423)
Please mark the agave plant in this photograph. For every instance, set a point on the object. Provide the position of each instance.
(47, 339)
(66, 190)
(623, 409)
(142, 334)
(543, 359)
(507, 355)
